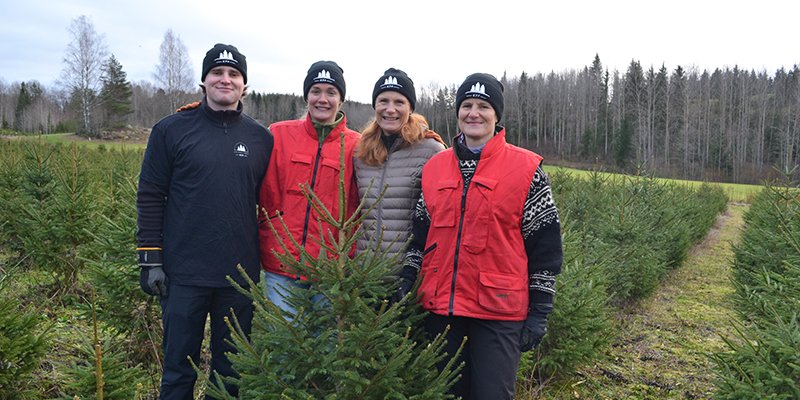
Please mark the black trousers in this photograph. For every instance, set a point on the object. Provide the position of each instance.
(184, 314)
(490, 355)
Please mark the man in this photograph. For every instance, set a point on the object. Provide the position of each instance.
(197, 219)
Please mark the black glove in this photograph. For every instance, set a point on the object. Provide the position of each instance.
(402, 290)
(152, 278)
(154, 281)
(535, 326)
(406, 279)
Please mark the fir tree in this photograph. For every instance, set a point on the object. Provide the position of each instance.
(23, 344)
(352, 345)
(116, 94)
(24, 101)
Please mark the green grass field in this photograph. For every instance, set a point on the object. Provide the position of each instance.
(67, 138)
(736, 192)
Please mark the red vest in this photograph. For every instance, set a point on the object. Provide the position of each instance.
(297, 159)
(475, 263)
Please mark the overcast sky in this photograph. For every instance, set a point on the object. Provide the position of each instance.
(435, 41)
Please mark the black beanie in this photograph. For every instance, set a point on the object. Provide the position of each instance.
(324, 72)
(482, 86)
(397, 81)
(224, 54)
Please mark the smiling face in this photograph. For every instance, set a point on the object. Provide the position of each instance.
(392, 110)
(324, 101)
(476, 119)
(224, 88)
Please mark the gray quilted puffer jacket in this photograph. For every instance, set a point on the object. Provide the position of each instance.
(401, 172)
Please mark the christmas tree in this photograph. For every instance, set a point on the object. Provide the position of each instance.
(354, 344)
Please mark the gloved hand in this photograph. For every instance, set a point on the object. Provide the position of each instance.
(152, 278)
(403, 289)
(535, 326)
(406, 278)
(154, 281)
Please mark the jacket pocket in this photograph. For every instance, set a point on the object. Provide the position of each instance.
(477, 223)
(300, 168)
(327, 183)
(443, 213)
(431, 273)
(502, 294)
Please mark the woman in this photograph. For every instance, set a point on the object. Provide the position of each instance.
(487, 245)
(306, 154)
(389, 158)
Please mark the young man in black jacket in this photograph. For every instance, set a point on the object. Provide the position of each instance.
(197, 218)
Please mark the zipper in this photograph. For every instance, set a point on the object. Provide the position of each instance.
(379, 210)
(313, 181)
(457, 251)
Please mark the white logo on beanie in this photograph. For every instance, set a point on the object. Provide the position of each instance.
(391, 82)
(226, 57)
(324, 76)
(477, 90)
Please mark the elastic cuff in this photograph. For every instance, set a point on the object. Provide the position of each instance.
(150, 256)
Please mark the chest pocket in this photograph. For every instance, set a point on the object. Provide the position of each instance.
(327, 183)
(478, 215)
(446, 204)
(299, 173)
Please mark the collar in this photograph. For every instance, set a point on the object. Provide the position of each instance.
(489, 148)
(323, 130)
(223, 116)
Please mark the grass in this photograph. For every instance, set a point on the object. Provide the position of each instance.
(662, 348)
(738, 193)
(68, 138)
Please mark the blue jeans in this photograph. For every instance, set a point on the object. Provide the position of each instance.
(277, 290)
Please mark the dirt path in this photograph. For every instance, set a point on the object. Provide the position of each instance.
(661, 351)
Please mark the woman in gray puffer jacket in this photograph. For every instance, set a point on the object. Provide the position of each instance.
(390, 154)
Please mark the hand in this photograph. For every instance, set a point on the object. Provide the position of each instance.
(190, 106)
(154, 281)
(403, 289)
(535, 326)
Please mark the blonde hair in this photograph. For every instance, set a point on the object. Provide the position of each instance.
(371, 149)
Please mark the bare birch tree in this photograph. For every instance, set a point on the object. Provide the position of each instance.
(174, 72)
(83, 63)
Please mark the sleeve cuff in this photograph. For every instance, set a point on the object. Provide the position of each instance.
(149, 256)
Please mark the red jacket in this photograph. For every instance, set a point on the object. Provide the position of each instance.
(298, 158)
(475, 263)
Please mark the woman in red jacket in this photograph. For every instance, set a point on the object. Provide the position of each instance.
(306, 154)
(486, 246)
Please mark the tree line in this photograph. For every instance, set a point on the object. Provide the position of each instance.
(723, 125)
(727, 124)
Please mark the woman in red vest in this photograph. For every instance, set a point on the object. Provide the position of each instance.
(486, 247)
(306, 154)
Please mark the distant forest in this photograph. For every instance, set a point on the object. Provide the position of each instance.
(726, 125)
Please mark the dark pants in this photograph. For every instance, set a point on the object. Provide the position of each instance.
(490, 355)
(184, 314)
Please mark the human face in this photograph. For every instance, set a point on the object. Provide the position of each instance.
(391, 111)
(224, 88)
(323, 103)
(476, 119)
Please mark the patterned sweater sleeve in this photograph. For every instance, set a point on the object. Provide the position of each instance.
(541, 231)
(412, 261)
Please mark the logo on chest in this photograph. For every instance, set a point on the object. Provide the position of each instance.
(240, 150)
